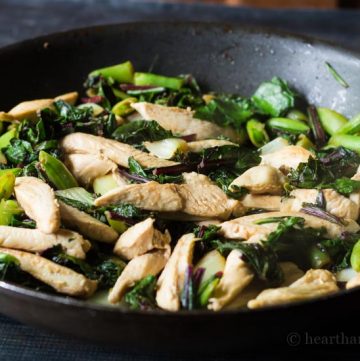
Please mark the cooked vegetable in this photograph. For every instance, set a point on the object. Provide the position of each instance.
(257, 133)
(122, 73)
(166, 148)
(355, 257)
(331, 121)
(287, 125)
(351, 127)
(158, 80)
(104, 184)
(123, 107)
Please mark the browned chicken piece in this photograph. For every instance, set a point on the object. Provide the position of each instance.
(314, 283)
(85, 224)
(199, 145)
(287, 158)
(110, 149)
(5, 117)
(182, 121)
(141, 238)
(262, 179)
(236, 276)
(33, 240)
(151, 196)
(39, 203)
(245, 227)
(203, 199)
(261, 201)
(139, 267)
(87, 167)
(29, 109)
(62, 279)
(171, 280)
(336, 204)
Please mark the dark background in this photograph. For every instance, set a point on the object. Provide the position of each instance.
(24, 19)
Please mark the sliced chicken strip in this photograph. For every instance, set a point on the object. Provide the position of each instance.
(29, 109)
(33, 240)
(245, 227)
(151, 196)
(202, 198)
(262, 179)
(87, 167)
(199, 145)
(291, 273)
(138, 268)
(110, 149)
(39, 203)
(261, 201)
(287, 158)
(141, 238)
(171, 280)
(336, 204)
(62, 279)
(313, 284)
(236, 276)
(182, 121)
(88, 226)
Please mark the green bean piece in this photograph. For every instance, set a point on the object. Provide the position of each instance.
(305, 142)
(56, 171)
(7, 183)
(6, 137)
(143, 79)
(318, 257)
(331, 120)
(355, 257)
(288, 125)
(123, 107)
(122, 73)
(257, 133)
(8, 209)
(351, 142)
(351, 127)
(297, 115)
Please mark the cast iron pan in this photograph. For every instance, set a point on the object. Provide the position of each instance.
(223, 58)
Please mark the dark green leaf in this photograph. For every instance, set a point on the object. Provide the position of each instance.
(142, 296)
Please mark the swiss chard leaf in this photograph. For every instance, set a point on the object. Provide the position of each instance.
(142, 296)
(273, 98)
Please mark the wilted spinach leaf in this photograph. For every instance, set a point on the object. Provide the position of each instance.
(142, 296)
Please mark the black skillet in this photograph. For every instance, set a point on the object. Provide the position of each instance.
(223, 58)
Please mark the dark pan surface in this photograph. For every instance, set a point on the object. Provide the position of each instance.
(223, 58)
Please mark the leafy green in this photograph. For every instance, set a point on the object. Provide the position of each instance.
(142, 296)
(273, 97)
(138, 131)
(226, 111)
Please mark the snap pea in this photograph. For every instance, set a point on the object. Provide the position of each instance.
(297, 115)
(351, 127)
(123, 107)
(331, 120)
(257, 133)
(288, 125)
(143, 79)
(305, 142)
(122, 73)
(355, 257)
(345, 140)
(7, 182)
(56, 171)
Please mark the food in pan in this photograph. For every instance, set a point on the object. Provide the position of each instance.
(161, 196)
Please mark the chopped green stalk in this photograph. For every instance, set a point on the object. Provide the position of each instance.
(297, 115)
(208, 288)
(331, 120)
(346, 140)
(123, 107)
(119, 93)
(7, 182)
(118, 225)
(8, 209)
(95, 108)
(305, 142)
(6, 137)
(288, 125)
(318, 257)
(122, 73)
(56, 171)
(257, 133)
(336, 75)
(142, 79)
(355, 257)
(351, 127)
